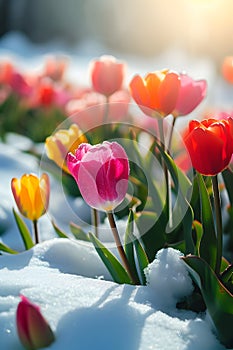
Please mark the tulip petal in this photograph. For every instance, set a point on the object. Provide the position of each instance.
(168, 93)
(191, 94)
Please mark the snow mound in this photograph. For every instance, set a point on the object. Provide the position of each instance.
(168, 279)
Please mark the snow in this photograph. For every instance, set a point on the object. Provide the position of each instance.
(89, 313)
(67, 279)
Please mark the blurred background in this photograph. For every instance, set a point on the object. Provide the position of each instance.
(137, 27)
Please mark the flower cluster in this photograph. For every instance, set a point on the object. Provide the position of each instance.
(42, 100)
(102, 151)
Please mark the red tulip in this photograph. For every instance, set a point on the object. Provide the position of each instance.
(33, 330)
(191, 93)
(101, 172)
(107, 75)
(210, 145)
(157, 93)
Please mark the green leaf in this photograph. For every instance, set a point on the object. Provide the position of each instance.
(24, 231)
(115, 268)
(129, 245)
(79, 233)
(198, 229)
(208, 244)
(141, 258)
(181, 181)
(151, 229)
(218, 299)
(58, 231)
(187, 228)
(228, 180)
(5, 248)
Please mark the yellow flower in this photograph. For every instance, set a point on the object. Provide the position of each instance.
(62, 142)
(31, 195)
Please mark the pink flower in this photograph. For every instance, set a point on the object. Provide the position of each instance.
(107, 75)
(191, 93)
(33, 330)
(19, 85)
(89, 110)
(55, 67)
(101, 172)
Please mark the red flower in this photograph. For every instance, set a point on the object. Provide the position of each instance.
(210, 145)
(33, 330)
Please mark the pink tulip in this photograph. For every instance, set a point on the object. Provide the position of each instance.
(101, 172)
(19, 85)
(107, 75)
(191, 93)
(89, 110)
(33, 330)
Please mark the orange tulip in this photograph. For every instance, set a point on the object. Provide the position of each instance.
(227, 69)
(157, 93)
(64, 141)
(31, 195)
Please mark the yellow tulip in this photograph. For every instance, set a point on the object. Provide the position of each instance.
(31, 195)
(62, 142)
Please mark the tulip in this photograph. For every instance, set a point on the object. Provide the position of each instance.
(107, 75)
(191, 93)
(227, 69)
(157, 93)
(6, 71)
(55, 67)
(33, 330)
(89, 111)
(101, 172)
(64, 141)
(20, 85)
(31, 195)
(210, 145)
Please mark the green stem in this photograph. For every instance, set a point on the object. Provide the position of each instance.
(171, 134)
(119, 246)
(35, 230)
(165, 170)
(218, 214)
(105, 120)
(95, 221)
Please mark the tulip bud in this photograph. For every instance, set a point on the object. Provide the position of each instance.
(191, 93)
(31, 195)
(210, 145)
(64, 141)
(107, 75)
(33, 330)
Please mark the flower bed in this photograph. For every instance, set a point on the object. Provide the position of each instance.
(123, 163)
